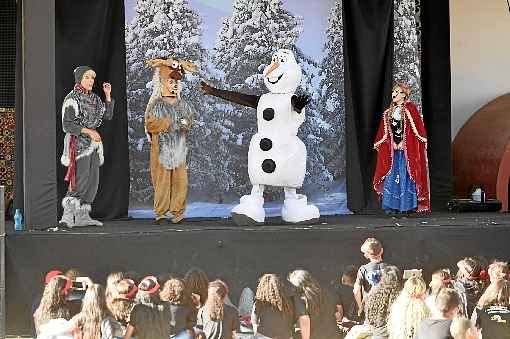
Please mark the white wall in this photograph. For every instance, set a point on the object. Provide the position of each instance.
(480, 55)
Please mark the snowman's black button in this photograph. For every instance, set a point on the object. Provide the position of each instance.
(268, 114)
(268, 165)
(266, 144)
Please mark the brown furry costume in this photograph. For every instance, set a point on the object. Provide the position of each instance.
(168, 119)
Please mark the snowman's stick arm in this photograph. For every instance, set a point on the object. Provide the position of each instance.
(247, 100)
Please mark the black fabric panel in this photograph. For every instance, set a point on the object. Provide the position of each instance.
(40, 170)
(92, 33)
(368, 55)
(18, 137)
(436, 98)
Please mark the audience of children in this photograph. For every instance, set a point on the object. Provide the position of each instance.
(371, 302)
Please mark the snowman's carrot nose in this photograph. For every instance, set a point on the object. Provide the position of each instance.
(273, 66)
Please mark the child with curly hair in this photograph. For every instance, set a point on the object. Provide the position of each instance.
(380, 300)
(273, 310)
(182, 316)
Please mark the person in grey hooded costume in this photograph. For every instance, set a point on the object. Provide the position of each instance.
(82, 113)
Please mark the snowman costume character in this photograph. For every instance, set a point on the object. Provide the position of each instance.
(276, 156)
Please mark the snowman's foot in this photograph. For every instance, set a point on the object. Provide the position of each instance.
(297, 211)
(249, 212)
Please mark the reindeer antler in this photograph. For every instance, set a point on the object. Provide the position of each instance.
(160, 62)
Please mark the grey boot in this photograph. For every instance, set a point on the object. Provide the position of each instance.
(69, 204)
(82, 217)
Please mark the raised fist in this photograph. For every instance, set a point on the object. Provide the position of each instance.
(107, 88)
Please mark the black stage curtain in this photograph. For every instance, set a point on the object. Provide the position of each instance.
(436, 101)
(368, 55)
(19, 201)
(92, 33)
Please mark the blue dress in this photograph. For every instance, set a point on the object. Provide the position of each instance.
(399, 189)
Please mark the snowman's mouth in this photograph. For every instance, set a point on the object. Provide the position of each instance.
(274, 82)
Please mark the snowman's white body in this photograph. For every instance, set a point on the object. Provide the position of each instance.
(276, 144)
(287, 151)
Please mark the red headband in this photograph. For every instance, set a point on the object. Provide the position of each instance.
(155, 281)
(67, 286)
(482, 276)
(58, 274)
(132, 290)
(50, 275)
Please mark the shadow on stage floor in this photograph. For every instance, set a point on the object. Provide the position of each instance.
(240, 255)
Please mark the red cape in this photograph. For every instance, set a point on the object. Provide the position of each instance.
(415, 150)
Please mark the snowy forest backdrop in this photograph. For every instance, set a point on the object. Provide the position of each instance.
(231, 41)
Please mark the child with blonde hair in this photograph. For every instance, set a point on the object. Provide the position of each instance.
(408, 310)
(498, 270)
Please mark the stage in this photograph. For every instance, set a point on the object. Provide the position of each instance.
(241, 254)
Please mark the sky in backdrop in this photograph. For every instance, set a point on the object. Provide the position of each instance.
(213, 12)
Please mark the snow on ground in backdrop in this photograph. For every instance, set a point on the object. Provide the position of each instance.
(332, 204)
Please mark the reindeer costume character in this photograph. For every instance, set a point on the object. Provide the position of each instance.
(168, 119)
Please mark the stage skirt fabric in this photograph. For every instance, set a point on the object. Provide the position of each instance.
(399, 188)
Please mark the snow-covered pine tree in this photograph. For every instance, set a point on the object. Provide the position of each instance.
(256, 29)
(163, 28)
(406, 61)
(331, 102)
(245, 44)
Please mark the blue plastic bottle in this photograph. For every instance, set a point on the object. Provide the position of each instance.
(18, 221)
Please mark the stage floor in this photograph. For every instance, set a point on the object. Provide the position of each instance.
(340, 222)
